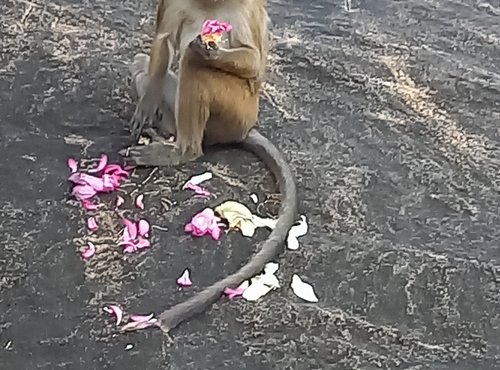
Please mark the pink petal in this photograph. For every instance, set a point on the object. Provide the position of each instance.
(88, 205)
(73, 165)
(141, 318)
(116, 170)
(119, 201)
(232, 293)
(188, 228)
(92, 224)
(198, 190)
(139, 201)
(84, 179)
(116, 311)
(144, 228)
(184, 279)
(215, 233)
(130, 230)
(130, 248)
(89, 251)
(102, 163)
(82, 192)
(142, 243)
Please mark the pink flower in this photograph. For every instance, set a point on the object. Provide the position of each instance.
(184, 279)
(89, 251)
(130, 232)
(116, 311)
(139, 201)
(134, 236)
(102, 163)
(92, 224)
(204, 223)
(213, 26)
(73, 165)
(198, 190)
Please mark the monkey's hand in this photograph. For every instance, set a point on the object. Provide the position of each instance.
(206, 53)
(148, 111)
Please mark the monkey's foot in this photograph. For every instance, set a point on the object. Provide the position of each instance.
(155, 154)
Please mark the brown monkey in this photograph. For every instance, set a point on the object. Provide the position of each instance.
(214, 100)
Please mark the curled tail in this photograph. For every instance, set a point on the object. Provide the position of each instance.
(269, 248)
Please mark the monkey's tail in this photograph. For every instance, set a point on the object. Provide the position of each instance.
(269, 249)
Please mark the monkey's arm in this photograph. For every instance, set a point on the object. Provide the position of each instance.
(242, 61)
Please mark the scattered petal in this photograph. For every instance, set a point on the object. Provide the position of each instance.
(240, 217)
(184, 279)
(130, 232)
(144, 228)
(92, 224)
(116, 311)
(130, 248)
(141, 318)
(89, 251)
(136, 325)
(254, 198)
(129, 346)
(232, 293)
(142, 243)
(292, 242)
(204, 223)
(119, 201)
(139, 201)
(198, 179)
(303, 290)
(116, 170)
(83, 192)
(271, 268)
(88, 205)
(198, 190)
(84, 179)
(73, 165)
(102, 163)
(296, 231)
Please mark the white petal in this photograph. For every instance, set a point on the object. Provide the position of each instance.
(256, 290)
(270, 280)
(300, 229)
(264, 222)
(254, 198)
(247, 228)
(198, 179)
(303, 290)
(271, 268)
(292, 242)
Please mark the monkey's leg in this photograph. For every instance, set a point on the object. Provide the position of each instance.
(192, 114)
(139, 72)
(150, 107)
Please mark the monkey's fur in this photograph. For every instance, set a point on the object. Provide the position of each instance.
(215, 100)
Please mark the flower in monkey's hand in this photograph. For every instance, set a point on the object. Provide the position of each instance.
(205, 222)
(212, 30)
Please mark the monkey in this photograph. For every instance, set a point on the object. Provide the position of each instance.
(214, 99)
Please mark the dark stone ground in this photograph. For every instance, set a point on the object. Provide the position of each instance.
(389, 116)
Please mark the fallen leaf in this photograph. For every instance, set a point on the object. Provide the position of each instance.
(184, 279)
(116, 311)
(88, 251)
(303, 290)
